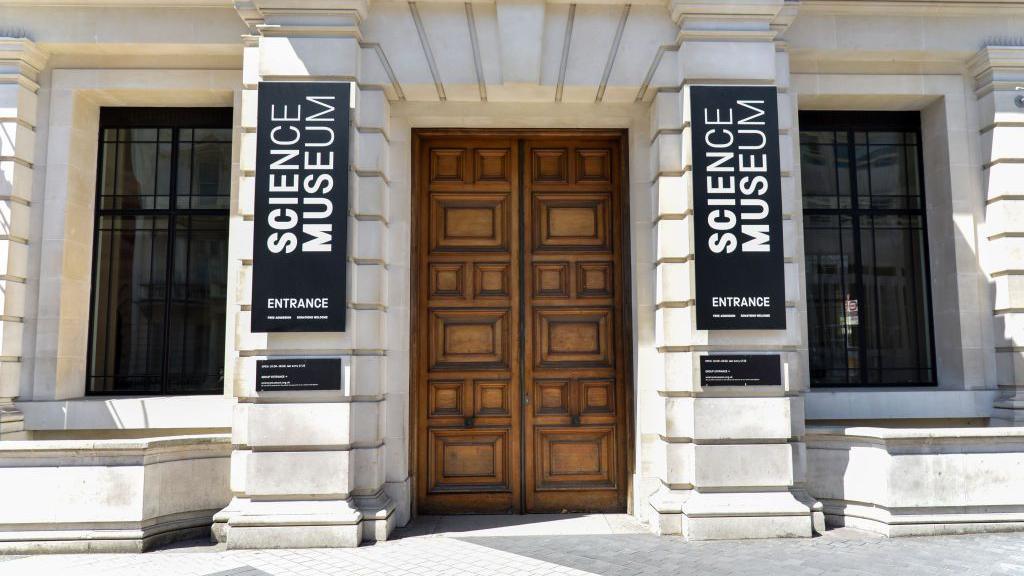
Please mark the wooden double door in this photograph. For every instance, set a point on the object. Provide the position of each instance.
(521, 340)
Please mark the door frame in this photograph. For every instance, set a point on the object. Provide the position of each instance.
(625, 315)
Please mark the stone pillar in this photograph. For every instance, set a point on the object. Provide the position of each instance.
(20, 64)
(733, 461)
(308, 469)
(999, 82)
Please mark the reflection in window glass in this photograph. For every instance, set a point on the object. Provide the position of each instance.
(866, 254)
(160, 276)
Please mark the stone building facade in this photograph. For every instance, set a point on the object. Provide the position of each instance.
(901, 156)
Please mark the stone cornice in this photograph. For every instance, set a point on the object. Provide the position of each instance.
(997, 68)
(741, 20)
(913, 7)
(302, 17)
(23, 55)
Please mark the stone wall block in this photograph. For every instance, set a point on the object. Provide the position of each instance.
(17, 141)
(368, 240)
(673, 195)
(1004, 179)
(247, 196)
(10, 374)
(370, 195)
(244, 379)
(1003, 143)
(367, 423)
(679, 372)
(14, 219)
(741, 418)
(1005, 215)
(791, 195)
(666, 112)
(13, 258)
(1006, 253)
(1009, 292)
(240, 414)
(246, 339)
(673, 239)
(673, 327)
(368, 470)
(787, 164)
(748, 61)
(369, 282)
(247, 153)
(18, 102)
(786, 116)
(367, 376)
(667, 153)
(370, 153)
(367, 329)
(782, 79)
(239, 470)
(679, 471)
(743, 466)
(15, 180)
(12, 302)
(243, 286)
(251, 64)
(1010, 329)
(300, 424)
(290, 474)
(793, 286)
(679, 422)
(334, 58)
(674, 282)
(373, 111)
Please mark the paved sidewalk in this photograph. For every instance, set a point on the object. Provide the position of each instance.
(569, 545)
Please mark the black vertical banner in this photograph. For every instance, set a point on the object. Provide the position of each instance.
(301, 212)
(737, 207)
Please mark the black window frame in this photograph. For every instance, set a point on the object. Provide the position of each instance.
(881, 121)
(176, 119)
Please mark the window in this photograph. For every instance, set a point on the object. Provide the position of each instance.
(866, 251)
(159, 280)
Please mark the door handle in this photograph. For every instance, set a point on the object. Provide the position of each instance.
(575, 420)
(468, 422)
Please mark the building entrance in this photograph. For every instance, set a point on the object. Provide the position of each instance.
(521, 340)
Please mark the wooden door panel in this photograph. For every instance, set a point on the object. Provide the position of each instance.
(574, 337)
(467, 323)
(460, 223)
(493, 165)
(519, 303)
(594, 166)
(447, 165)
(595, 280)
(574, 433)
(470, 339)
(470, 460)
(550, 165)
(574, 458)
(492, 280)
(576, 222)
(444, 398)
(447, 280)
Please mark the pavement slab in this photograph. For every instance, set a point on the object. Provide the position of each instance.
(564, 545)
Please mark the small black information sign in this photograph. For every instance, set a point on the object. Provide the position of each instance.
(298, 374)
(737, 207)
(741, 370)
(301, 211)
